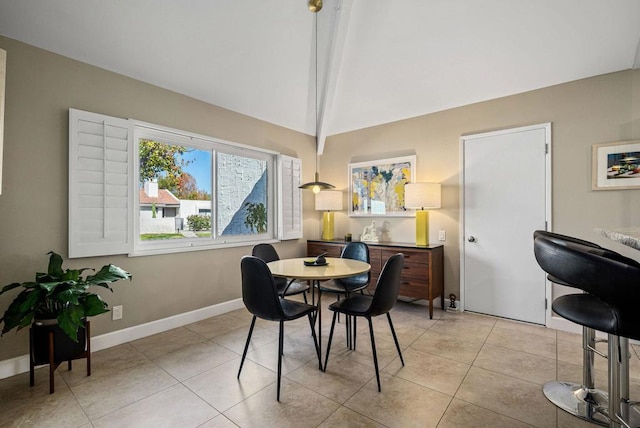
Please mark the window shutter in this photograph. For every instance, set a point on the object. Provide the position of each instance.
(100, 184)
(290, 212)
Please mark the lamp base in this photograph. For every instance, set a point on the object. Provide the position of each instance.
(422, 227)
(327, 226)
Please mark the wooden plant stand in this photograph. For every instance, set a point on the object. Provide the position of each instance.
(54, 357)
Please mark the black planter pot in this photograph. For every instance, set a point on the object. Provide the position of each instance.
(65, 348)
(49, 344)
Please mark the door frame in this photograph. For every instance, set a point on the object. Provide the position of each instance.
(547, 128)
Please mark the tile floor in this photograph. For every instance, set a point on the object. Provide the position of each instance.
(461, 370)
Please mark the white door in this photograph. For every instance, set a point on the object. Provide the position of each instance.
(505, 198)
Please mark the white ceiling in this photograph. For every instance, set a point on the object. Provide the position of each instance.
(380, 60)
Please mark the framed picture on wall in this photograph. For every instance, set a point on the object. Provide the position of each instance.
(376, 188)
(616, 165)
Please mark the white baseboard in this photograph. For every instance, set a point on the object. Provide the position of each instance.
(17, 365)
(562, 324)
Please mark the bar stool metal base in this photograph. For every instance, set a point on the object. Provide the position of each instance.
(587, 404)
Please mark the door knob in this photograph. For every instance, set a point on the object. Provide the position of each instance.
(471, 239)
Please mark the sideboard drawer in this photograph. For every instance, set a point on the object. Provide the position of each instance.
(413, 288)
(421, 257)
(415, 271)
(315, 249)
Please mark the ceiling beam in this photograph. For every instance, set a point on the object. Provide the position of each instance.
(331, 70)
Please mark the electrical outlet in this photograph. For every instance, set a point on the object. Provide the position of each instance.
(116, 313)
(442, 235)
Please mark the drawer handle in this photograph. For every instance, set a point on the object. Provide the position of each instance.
(405, 282)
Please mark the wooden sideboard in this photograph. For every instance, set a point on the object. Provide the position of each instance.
(422, 274)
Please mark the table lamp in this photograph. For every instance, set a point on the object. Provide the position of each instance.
(328, 201)
(420, 196)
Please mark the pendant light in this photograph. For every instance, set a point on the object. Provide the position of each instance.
(316, 185)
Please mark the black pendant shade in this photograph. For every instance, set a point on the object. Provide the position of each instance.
(317, 185)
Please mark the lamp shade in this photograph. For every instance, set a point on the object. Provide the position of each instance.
(422, 195)
(329, 200)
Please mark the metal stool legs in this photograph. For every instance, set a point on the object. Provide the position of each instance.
(581, 400)
(594, 405)
(626, 414)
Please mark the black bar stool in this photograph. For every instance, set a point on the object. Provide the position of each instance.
(581, 400)
(612, 284)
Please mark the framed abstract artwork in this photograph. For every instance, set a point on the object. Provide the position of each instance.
(376, 188)
(616, 165)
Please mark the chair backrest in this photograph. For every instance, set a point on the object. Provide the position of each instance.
(559, 238)
(388, 286)
(562, 240)
(613, 281)
(606, 274)
(259, 291)
(583, 245)
(356, 251)
(265, 252)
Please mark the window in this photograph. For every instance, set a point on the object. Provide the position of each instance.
(209, 192)
(142, 189)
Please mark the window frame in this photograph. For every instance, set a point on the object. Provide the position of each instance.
(216, 145)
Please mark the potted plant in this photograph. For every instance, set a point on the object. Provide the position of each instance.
(58, 299)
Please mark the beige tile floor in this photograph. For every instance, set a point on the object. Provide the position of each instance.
(461, 370)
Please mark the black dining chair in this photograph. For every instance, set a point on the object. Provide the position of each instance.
(354, 251)
(261, 298)
(346, 286)
(267, 253)
(382, 301)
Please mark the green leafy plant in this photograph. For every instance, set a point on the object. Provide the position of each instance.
(256, 216)
(199, 222)
(60, 294)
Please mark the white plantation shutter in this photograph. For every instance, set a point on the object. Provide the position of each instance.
(100, 184)
(290, 210)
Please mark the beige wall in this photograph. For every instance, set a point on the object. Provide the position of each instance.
(582, 113)
(41, 87)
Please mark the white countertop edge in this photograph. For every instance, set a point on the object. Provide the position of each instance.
(629, 236)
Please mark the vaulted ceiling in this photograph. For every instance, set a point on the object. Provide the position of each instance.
(378, 60)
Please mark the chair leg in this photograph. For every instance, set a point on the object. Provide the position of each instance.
(395, 338)
(614, 379)
(355, 330)
(280, 346)
(347, 327)
(304, 296)
(333, 324)
(246, 346)
(375, 355)
(315, 340)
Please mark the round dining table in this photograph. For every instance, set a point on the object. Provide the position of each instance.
(334, 268)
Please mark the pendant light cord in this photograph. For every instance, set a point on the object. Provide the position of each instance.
(315, 21)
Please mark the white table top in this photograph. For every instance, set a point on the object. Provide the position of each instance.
(629, 236)
(336, 268)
